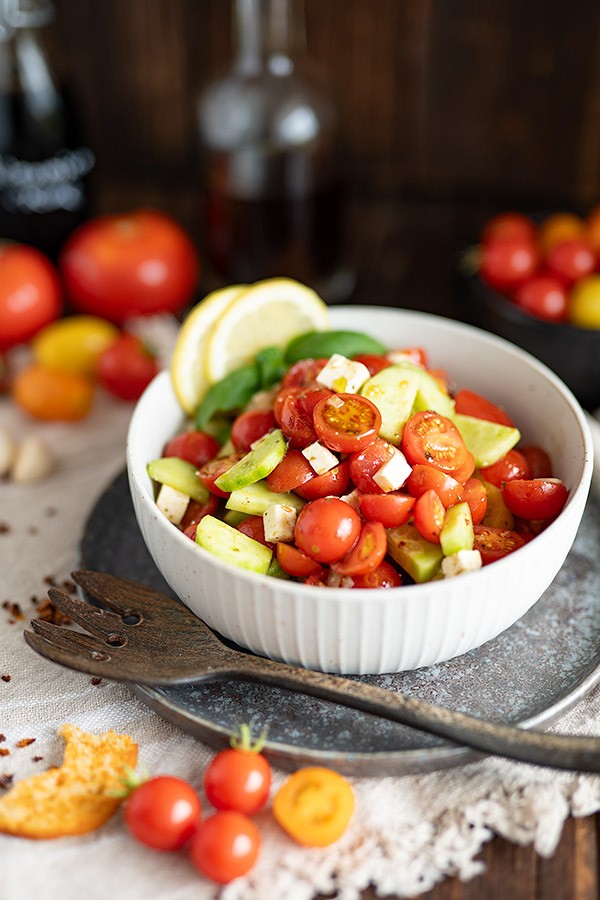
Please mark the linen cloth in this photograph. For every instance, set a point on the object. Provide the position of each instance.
(407, 832)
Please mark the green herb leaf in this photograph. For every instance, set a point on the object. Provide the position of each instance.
(316, 344)
(271, 366)
(228, 394)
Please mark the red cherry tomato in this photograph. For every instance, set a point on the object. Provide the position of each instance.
(543, 296)
(210, 471)
(297, 563)
(194, 446)
(431, 439)
(512, 465)
(365, 464)
(293, 470)
(238, 779)
(428, 516)
(390, 509)
(326, 529)
(163, 812)
(126, 368)
(280, 400)
(494, 543)
(427, 478)
(539, 462)
(138, 263)
(505, 264)
(225, 846)
(538, 498)
(571, 260)
(373, 362)
(330, 484)
(468, 403)
(296, 416)
(474, 493)
(509, 226)
(30, 295)
(250, 426)
(303, 373)
(346, 422)
(253, 527)
(196, 511)
(367, 554)
(384, 576)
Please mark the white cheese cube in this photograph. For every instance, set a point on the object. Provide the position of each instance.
(399, 356)
(462, 561)
(172, 503)
(279, 521)
(352, 499)
(346, 376)
(321, 459)
(393, 473)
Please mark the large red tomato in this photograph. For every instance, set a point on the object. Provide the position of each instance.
(30, 295)
(137, 263)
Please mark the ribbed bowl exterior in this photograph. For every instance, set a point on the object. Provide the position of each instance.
(371, 631)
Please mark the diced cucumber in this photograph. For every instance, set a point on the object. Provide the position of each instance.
(430, 395)
(233, 517)
(232, 546)
(393, 391)
(178, 474)
(255, 465)
(417, 556)
(457, 531)
(487, 441)
(497, 515)
(255, 499)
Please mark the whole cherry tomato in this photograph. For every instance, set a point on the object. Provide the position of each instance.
(126, 367)
(193, 446)
(571, 260)
(557, 228)
(326, 529)
(74, 344)
(509, 226)
(505, 264)
(543, 296)
(239, 777)
(584, 303)
(30, 295)
(537, 498)
(137, 263)
(53, 396)
(163, 812)
(225, 846)
(250, 426)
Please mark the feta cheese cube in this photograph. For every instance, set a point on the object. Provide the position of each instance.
(352, 499)
(399, 356)
(321, 459)
(393, 473)
(346, 376)
(279, 520)
(462, 561)
(172, 503)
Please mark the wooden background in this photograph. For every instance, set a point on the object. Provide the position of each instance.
(450, 110)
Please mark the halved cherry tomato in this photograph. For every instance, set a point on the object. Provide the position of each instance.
(504, 264)
(367, 554)
(250, 426)
(297, 563)
(163, 813)
(428, 516)
(365, 463)
(468, 403)
(427, 478)
(329, 484)
(390, 509)
(494, 543)
(537, 498)
(253, 527)
(571, 260)
(210, 471)
(539, 462)
(194, 446)
(293, 470)
(509, 226)
(543, 296)
(327, 529)
(303, 373)
(314, 806)
(296, 416)
(373, 362)
(474, 493)
(346, 422)
(225, 846)
(384, 576)
(431, 439)
(280, 398)
(196, 511)
(512, 465)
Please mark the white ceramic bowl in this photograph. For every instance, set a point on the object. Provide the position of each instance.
(371, 631)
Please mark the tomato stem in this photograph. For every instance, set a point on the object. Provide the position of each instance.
(131, 780)
(242, 739)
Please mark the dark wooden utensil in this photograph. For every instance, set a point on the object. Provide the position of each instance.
(142, 636)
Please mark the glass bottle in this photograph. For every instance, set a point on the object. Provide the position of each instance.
(43, 162)
(271, 170)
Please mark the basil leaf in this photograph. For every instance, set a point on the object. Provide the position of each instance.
(271, 366)
(230, 393)
(315, 344)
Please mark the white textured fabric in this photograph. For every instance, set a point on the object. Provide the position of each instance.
(407, 834)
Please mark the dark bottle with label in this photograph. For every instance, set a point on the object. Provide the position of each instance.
(43, 161)
(273, 187)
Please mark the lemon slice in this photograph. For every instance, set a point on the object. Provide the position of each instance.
(187, 366)
(266, 314)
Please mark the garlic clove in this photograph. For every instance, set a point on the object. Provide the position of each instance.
(8, 451)
(33, 460)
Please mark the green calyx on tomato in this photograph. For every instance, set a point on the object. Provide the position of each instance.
(242, 739)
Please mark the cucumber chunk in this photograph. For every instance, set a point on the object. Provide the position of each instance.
(487, 441)
(417, 556)
(457, 532)
(178, 474)
(232, 545)
(497, 514)
(393, 391)
(255, 465)
(255, 499)
(430, 395)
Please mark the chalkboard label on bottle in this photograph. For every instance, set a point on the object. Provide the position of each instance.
(50, 185)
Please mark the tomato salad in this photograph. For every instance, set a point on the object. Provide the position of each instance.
(338, 463)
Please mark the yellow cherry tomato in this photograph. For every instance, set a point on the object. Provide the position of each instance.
(74, 344)
(584, 303)
(314, 806)
(51, 395)
(558, 228)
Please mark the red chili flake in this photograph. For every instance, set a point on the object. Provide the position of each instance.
(96, 680)
(13, 609)
(6, 677)
(5, 780)
(25, 742)
(4, 751)
(37, 758)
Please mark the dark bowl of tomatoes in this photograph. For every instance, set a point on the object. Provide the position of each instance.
(359, 630)
(535, 282)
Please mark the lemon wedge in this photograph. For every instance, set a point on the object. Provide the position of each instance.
(188, 372)
(268, 313)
